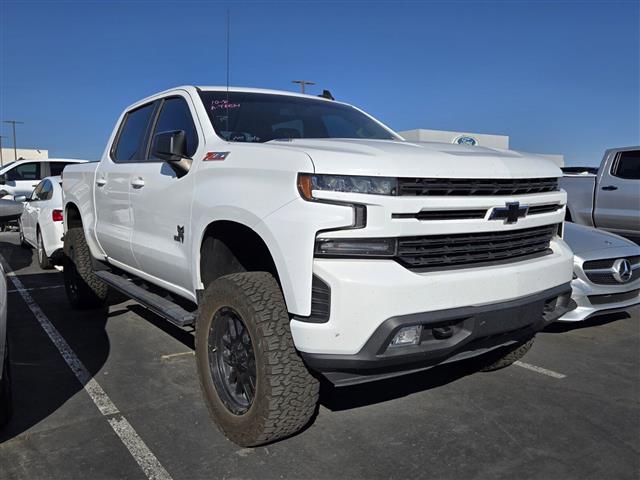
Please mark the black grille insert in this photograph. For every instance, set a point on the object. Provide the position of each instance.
(613, 297)
(475, 187)
(465, 250)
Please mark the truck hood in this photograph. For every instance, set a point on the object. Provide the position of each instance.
(406, 159)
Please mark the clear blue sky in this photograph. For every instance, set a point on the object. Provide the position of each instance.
(557, 76)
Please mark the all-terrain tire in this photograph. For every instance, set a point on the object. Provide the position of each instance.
(286, 394)
(507, 356)
(44, 261)
(5, 389)
(84, 289)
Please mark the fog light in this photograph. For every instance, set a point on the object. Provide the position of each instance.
(407, 336)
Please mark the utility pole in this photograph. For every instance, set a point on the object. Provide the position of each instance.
(15, 149)
(302, 84)
(1, 160)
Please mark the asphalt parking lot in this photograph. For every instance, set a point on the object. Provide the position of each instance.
(571, 411)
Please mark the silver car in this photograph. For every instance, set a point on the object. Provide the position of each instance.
(5, 381)
(606, 272)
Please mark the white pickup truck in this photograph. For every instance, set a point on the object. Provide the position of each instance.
(301, 237)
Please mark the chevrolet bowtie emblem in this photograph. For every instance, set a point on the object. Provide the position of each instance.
(510, 213)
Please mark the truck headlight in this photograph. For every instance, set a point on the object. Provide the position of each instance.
(355, 247)
(308, 182)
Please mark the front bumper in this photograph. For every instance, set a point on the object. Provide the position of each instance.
(600, 299)
(472, 331)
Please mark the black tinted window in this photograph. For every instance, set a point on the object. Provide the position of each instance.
(47, 191)
(25, 171)
(628, 165)
(175, 115)
(130, 141)
(35, 195)
(260, 117)
(56, 168)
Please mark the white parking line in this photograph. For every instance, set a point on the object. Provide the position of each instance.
(150, 465)
(36, 288)
(541, 370)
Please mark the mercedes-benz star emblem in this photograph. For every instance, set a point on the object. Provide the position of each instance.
(622, 271)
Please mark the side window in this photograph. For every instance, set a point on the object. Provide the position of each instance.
(47, 190)
(35, 195)
(24, 171)
(175, 115)
(627, 165)
(129, 146)
(56, 168)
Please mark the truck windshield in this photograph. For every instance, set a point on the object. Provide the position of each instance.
(260, 117)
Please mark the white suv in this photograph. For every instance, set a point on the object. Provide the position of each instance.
(302, 237)
(21, 177)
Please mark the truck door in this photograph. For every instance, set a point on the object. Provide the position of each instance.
(114, 220)
(161, 202)
(617, 201)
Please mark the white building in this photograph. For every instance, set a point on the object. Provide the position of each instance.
(467, 138)
(9, 156)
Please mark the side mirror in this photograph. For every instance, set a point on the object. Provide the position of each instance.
(20, 198)
(172, 148)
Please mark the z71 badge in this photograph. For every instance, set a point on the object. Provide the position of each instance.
(215, 156)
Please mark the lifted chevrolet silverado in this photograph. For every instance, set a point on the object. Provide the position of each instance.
(303, 238)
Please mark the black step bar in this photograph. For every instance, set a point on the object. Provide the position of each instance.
(157, 304)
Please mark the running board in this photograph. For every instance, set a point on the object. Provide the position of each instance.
(157, 304)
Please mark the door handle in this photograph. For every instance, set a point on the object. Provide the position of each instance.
(101, 182)
(610, 188)
(137, 182)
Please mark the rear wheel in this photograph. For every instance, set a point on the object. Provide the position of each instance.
(256, 387)
(43, 260)
(506, 356)
(84, 288)
(5, 388)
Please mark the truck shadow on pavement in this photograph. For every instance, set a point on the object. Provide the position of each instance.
(41, 379)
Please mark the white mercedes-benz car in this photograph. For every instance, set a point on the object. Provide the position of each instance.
(606, 272)
(41, 221)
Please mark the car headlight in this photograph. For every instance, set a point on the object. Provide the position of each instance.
(308, 182)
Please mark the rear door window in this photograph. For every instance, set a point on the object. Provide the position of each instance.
(24, 171)
(627, 165)
(47, 190)
(130, 145)
(55, 168)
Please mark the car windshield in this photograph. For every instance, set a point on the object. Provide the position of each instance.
(260, 117)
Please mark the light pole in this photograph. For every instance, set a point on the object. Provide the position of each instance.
(15, 149)
(302, 84)
(1, 160)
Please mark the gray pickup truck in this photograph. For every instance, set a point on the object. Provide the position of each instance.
(607, 197)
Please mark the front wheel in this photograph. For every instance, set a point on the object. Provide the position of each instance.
(256, 387)
(506, 356)
(23, 241)
(84, 289)
(43, 260)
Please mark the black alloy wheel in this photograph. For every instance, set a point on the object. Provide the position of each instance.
(232, 360)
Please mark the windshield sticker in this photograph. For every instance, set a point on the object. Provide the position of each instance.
(216, 156)
(223, 105)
